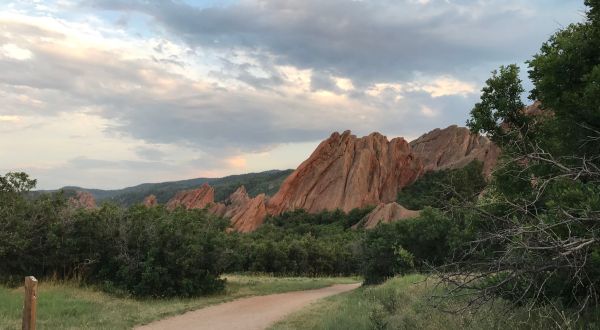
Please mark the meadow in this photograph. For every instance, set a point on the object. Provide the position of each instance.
(411, 302)
(68, 305)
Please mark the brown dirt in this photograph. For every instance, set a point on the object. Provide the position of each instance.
(248, 313)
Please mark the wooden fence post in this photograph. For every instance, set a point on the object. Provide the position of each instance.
(29, 307)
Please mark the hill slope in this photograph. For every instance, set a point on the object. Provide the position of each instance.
(267, 182)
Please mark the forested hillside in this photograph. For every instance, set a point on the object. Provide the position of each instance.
(267, 182)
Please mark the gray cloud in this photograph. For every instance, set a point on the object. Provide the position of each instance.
(91, 164)
(368, 41)
(148, 153)
(101, 173)
(147, 102)
(254, 104)
(323, 81)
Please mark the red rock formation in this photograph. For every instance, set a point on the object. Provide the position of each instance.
(251, 216)
(83, 199)
(193, 199)
(218, 209)
(535, 109)
(385, 213)
(347, 172)
(246, 214)
(150, 201)
(454, 147)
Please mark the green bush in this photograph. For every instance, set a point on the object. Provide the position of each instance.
(540, 243)
(141, 251)
(299, 243)
(442, 188)
(160, 253)
(419, 243)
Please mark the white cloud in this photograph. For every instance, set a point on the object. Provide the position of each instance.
(436, 87)
(10, 119)
(428, 112)
(446, 85)
(13, 51)
(92, 103)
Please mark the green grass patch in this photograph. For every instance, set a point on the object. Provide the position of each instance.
(404, 303)
(70, 306)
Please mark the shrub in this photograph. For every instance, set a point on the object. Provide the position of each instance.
(160, 253)
(141, 251)
(441, 188)
(299, 243)
(422, 242)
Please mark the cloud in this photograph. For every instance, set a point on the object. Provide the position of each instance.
(13, 51)
(145, 100)
(149, 153)
(156, 90)
(10, 119)
(368, 41)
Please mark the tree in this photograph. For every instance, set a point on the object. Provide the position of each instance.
(500, 106)
(542, 210)
(16, 183)
(442, 188)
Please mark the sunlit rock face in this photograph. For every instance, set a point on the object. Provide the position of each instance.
(386, 213)
(83, 200)
(454, 147)
(246, 214)
(193, 199)
(346, 172)
(150, 201)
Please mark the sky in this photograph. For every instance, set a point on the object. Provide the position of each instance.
(110, 93)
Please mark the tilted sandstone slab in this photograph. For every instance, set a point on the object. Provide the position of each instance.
(193, 199)
(455, 147)
(150, 201)
(218, 209)
(246, 214)
(250, 215)
(386, 213)
(83, 200)
(346, 172)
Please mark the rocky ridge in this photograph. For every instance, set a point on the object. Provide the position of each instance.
(346, 172)
(83, 200)
(193, 199)
(385, 213)
(454, 147)
(150, 201)
(246, 213)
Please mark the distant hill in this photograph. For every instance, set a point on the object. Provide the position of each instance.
(267, 182)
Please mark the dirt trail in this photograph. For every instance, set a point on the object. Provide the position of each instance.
(248, 313)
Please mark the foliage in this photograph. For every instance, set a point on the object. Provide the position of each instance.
(500, 106)
(16, 183)
(542, 208)
(299, 243)
(566, 78)
(404, 302)
(159, 253)
(141, 251)
(443, 188)
(422, 242)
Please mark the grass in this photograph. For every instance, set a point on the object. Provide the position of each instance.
(70, 306)
(403, 303)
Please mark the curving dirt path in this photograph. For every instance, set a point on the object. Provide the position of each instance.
(248, 313)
